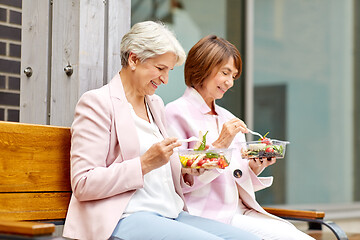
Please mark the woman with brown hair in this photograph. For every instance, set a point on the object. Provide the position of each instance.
(226, 195)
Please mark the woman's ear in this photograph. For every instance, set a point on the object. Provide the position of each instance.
(132, 60)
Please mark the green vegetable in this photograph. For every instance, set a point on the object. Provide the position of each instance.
(203, 143)
(263, 136)
(279, 149)
(212, 155)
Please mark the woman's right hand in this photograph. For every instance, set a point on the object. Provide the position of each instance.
(229, 131)
(158, 154)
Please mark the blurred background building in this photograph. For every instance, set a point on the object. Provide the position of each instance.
(300, 81)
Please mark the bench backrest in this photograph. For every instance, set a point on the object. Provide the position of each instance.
(34, 171)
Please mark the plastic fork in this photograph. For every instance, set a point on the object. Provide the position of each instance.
(190, 139)
(255, 133)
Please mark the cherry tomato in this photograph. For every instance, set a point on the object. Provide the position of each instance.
(202, 161)
(222, 163)
(189, 162)
(266, 141)
(269, 149)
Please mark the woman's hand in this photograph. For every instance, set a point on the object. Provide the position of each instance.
(228, 132)
(258, 165)
(158, 154)
(193, 171)
(189, 173)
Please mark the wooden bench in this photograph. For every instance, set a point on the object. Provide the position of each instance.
(34, 177)
(35, 183)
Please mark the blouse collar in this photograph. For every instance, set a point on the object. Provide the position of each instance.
(193, 96)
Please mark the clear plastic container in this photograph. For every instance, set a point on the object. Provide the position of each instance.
(207, 159)
(264, 149)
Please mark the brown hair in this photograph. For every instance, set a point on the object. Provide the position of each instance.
(207, 54)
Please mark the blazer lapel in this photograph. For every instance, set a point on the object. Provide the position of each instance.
(156, 112)
(124, 123)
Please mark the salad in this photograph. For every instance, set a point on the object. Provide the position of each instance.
(216, 158)
(264, 148)
(200, 157)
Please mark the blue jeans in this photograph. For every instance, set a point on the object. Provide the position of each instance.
(148, 225)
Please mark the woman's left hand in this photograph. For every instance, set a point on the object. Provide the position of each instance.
(193, 171)
(257, 165)
(189, 173)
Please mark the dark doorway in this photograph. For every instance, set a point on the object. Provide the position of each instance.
(270, 116)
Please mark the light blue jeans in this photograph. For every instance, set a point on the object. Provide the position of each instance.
(148, 225)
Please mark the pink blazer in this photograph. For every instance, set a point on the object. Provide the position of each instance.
(105, 161)
(216, 193)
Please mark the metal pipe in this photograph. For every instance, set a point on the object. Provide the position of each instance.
(249, 66)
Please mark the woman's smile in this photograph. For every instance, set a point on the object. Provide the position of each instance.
(223, 90)
(154, 84)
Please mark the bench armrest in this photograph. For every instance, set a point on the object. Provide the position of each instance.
(312, 217)
(295, 213)
(26, 228)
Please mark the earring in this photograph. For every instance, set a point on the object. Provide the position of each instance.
(133, 68)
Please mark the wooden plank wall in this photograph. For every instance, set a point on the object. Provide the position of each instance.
(83, 34)
(65, 51)
(119, 12)
(34, 54)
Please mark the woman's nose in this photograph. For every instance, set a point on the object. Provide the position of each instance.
(229, 83)
(164, 78)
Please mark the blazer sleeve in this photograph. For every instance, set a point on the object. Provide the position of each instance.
(92, 177)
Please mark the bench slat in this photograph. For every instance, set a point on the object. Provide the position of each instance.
(34, 206)
(27, 228)
(31, 157)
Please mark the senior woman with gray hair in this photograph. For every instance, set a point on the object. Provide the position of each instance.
(124, 176)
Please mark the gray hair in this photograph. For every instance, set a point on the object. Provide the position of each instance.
(149, 39)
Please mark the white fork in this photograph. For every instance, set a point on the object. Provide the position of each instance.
(190, 139)
(255, 133)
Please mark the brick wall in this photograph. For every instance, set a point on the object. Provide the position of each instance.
(10, 56)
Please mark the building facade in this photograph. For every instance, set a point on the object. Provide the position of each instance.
(10, 59)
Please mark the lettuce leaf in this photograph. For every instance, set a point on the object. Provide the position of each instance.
(203, 143)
